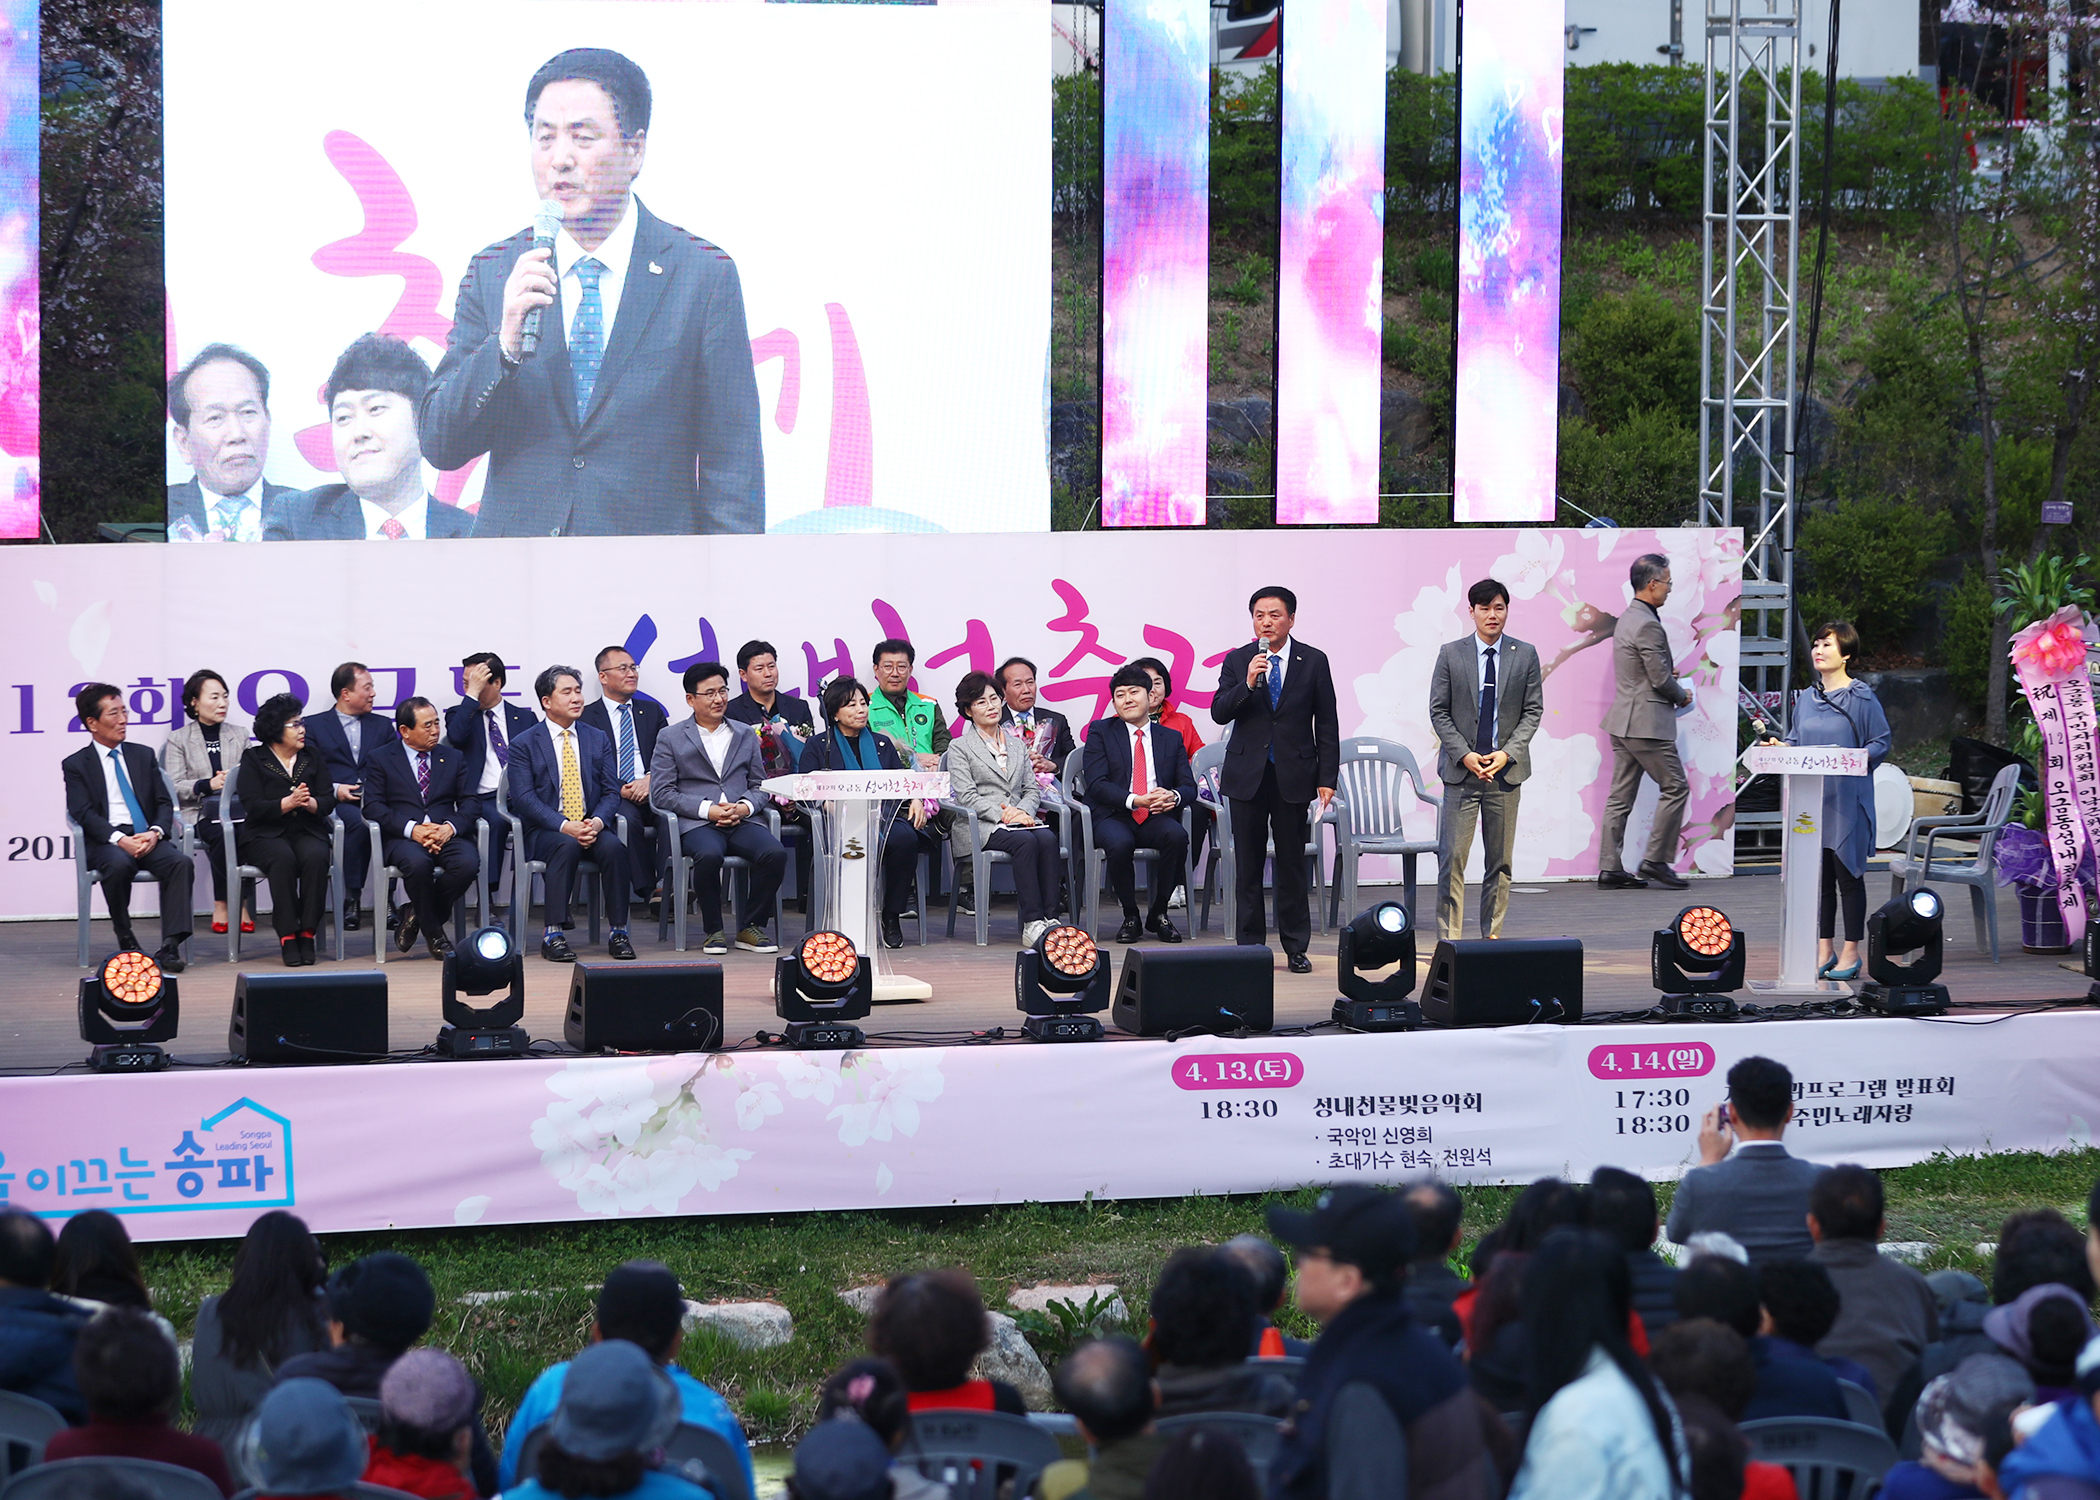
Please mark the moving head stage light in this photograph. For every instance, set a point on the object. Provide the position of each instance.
(1059, 982)
(1383, 935)
(125, 1007)
(486, 962)
(819, 988)
(1696, 960)
(1910, 923)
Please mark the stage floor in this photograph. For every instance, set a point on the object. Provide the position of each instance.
(973, 987)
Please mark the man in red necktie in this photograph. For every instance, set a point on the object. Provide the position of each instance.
(1137, 781)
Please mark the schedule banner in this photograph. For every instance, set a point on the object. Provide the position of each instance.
(199, 1153)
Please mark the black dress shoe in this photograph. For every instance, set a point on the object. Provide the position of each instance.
(127, 941)
(289, 947)
(1300, 964)
(1132, 931)
(554, 948)
(1662, 875)
(1619, 880)
(393, 917)
(1163, 929)
(892, 932)
(439, 945)
(169, 957)
(353, 912)
(618, 946)
(306, 948)
(404, 924)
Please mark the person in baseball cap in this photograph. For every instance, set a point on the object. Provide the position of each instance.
(305, 1441)
(426, 1428)
(1352, 1250)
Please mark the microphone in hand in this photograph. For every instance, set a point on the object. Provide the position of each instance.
(546, 224)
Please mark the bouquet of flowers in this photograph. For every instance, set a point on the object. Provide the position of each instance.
(780, 751)
(2021, 858)
(1040, 736)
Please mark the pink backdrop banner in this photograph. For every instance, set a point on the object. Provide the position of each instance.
(197, 1154)
(1079, 605)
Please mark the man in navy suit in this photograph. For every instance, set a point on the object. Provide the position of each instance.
(482, 727)
(1138, 781)
(564, 789)
(637, 413)
(115, 793)
(632, 723)
(220, 404)
(344, 736)
(1278, 695)
(371, 399)
(416, 794)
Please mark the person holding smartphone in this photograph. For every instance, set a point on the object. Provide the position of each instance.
(1748, 1186)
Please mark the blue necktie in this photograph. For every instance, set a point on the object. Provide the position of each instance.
(587, 339)
(131, 798)
(626, 743)
(1275, 683)
(1484, 731)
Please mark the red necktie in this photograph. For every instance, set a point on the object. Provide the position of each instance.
(392, 529)
(1140, 783)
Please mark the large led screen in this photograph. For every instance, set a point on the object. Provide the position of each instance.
(20, 381)
(1330, 268)
(795, 274)
(1155, 262)
(1505, 423)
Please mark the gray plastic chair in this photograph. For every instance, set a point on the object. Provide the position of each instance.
(590, 875)
(65, 1478)
(671, 911)
(1220, 869)
(237, 874)
(1093, 861)
(84, 881)
(1821, 1453)
(1381, 784)
(1860, 1406)
(1915, 866)
(385, 875)
(357, 1491)
(963, 845)
(978, 1454)
(1260, 1436)
(26, 1424)
(692, 1452)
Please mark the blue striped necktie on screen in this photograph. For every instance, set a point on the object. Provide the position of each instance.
(587, 338)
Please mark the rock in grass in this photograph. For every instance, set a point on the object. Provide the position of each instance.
(1039, 1298)
(748, 1325)
(861, 1298)
(1910, 1252)
(1013, 1359)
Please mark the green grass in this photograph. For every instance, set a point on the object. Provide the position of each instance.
(803, 1261)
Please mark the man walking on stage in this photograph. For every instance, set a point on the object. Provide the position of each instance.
(1486, 698)
(1642, 724)
(1278, 695)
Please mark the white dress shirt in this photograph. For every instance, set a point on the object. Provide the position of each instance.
(247, 529)
(1481, 652)
(566, 737)
(414, 519)
(119, 814)
(615, 255)
(1279, 661)
(491, 768)
(716, 743)
(1151, 763)
(408, 829)
(615, 713)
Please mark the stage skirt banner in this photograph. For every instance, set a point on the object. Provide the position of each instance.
(199, 1153)
(1078, 605)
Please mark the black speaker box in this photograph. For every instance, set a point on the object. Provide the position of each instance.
(1504, 982)
(330, 1016)
(1196, 989)
(644, 1007)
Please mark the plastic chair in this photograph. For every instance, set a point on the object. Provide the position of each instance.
(237, 874)
(963, 844)
(1221, 869)
(84, 881)
(1821, 1453)
(385, 875)
(1860, 1406)
(1375, 779)
(590, 877)
(26, 1424)
(671, 912)
(978, 1454)
(1093, 861)
(1915, 867)
(689, 1448)
(1260, 1436)
(64, 1478)
(357, 1491)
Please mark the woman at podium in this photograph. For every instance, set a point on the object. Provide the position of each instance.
(847, 744)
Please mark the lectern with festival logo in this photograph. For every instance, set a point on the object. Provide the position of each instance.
(849, 854)
(1801, 769)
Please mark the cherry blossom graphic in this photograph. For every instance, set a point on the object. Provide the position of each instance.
(630, 1137)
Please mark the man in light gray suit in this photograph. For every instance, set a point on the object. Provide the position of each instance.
(1485, 701)
(1759, 1195)
(707, 770)
(1642, 723)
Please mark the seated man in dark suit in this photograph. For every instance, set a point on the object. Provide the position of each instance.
(1035, 724)
(416, 793)
(372, 397)
(632, 722)
(1138, 780)
(707, 771)
(1759, 1196)
(220, 404)
(343, 737)
(1791, 1381)
(562, 788)
(482, 727)
(115, 793)
(784, 724)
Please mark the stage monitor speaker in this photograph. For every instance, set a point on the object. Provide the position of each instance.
(328, 1016)
(1504, 982)
(1196, 989)
(644, 1007)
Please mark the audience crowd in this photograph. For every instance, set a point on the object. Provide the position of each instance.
(1573, 1361)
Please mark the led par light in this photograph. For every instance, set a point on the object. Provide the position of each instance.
(819, 988)
(1059, 982)
(1911, 923)
(126, 1006)
(486, 962)
(1382, 936)
(1696, 961)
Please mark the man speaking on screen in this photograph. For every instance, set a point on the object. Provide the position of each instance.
(601, 361)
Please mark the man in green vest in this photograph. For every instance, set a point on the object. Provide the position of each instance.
(920, 731)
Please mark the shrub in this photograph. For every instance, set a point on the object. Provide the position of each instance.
(1965, 637)
(1633, 353)
(1644, 472)
(1868, 562)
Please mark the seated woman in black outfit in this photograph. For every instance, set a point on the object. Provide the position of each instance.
(286, 833)
(847, 744)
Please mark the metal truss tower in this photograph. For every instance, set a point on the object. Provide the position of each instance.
(1746, 334)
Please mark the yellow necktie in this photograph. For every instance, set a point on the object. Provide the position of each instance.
(571, 779)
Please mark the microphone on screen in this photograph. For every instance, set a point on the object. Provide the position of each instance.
(546, 224)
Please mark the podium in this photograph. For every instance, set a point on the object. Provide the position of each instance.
(849, 855)
(1801, 769)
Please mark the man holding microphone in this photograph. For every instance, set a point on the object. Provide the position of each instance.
(1278, 695)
